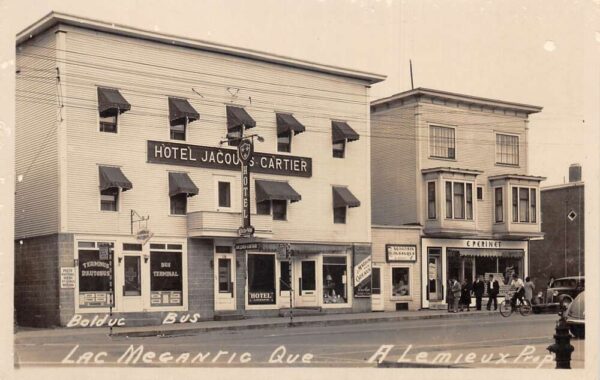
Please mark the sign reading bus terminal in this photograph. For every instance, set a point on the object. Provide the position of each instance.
(170, 153)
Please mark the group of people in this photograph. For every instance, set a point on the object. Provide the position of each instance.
(459, 294)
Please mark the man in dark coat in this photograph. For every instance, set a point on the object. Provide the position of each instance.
(478, 290)
(493, 290)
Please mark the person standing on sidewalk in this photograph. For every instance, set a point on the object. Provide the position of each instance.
(455, 295)
(465, 295)
(478, 290)
(449, 295)
(493, 290)
(529, 288)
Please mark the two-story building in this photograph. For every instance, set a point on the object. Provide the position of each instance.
(457, 166)
(129, 194)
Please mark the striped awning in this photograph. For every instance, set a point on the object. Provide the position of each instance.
(510, 253)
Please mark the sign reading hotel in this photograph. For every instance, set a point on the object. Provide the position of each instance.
(400, 252)
(170, 153)
(362, 278)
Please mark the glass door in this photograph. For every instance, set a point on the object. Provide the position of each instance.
(434, 274)
(224, 267)
(131, 294)
(376, 296)
(306, 293)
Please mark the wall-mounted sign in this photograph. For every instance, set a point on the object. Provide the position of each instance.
(245, 150)
(362, 278)
(400, 252)
(252, 246)
(227, 159)
(67, 278)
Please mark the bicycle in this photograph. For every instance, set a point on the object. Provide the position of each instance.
(523, 305)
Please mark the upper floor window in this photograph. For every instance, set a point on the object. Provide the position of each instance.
(181, 187)
(177, 131)
(284, 142)
(110, 105)
(507, 149)
(181, 113)
(341, 133)
(524, 205)
(287, 125)
(342, 199)
(238, 120)
(339, 149)
(109, 199)
(442, 142)
(224, 194)
(108, 123)
(479, 193)
(112, 181)
(279, 209)
(178, 204)
(498, 205)
(459, 200)
(431, 200)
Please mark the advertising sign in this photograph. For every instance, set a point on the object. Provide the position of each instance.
(165, 278)
(400, 252)
(362, 278)
(94, 277)
(67, 278)
(261, 298)
(247, 229)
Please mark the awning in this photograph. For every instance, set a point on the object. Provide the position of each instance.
(270, 190)
(510, 253)
(111, 177)
(237, 116)
(180, 109)
(341, 131)
(111, 102)
(181, 183)
(287, 122)
(342, 197)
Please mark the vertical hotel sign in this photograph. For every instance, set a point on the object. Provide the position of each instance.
(245, 152)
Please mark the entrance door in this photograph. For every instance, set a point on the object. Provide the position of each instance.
(224, 267)
(434, 274)
(306, 290)
(131, 273)
(376, 296)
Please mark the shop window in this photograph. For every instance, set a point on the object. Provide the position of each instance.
(339, 149)
(285, 280)
(431, 200)
(510, 265)
(263, 208)
(507, 149)
(109, 199)
(375, 280)
(499, 205)
(109, 123)
(339, 215)
(261, 279)
(459, 200)
(179, 204)
(224, 194)
(279, 209)
(166, 278)
(284, 141)
(177, 131)
(335, 288)
(524, 205)
(441, 142)
(485, 265)
(400, 282)
(94, 276)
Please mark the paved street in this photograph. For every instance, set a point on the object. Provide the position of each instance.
(473, 341)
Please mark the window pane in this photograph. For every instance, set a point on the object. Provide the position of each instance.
(108, 124)
(376, 281)
(225, 285)
(507, 149)
(234, 136)
(469, 201)
(523, 204)
(224, 194)
(263, 208)
(431, 200)
(94, 279)
(515, 204)
(334, 280)
(284, 142)
(179, 204)
(284, 276)
(308, 275)
(400, 282)
(441, 142)
(279, 209)
(178, 132)
(109, 199)
(499, 204)
(261, 279)
(338, 149)
(339, 215)
(133, 283)
(479, 193)
(223, 249)
(459, 200)
(166, 278)
(533, 206)
(449, 200)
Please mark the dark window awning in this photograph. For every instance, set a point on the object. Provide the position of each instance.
(275, 190)
(237, 116)
(287, 122)
(112, 177)
(181, 183)
(341, 131)
(111, 102)
(342, 197)
(180, 110)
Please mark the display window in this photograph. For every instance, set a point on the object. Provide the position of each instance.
(261, 279)
(400, 282)
(166, 276)
(95, 275)
(335, 280)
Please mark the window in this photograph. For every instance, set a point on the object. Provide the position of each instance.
(335, 287)
(133, 276)
(338, 149)
(459, 200)
(224, 194)
(499, 205)
(225, 283)
(285, 279)
(234, 136)
(431, 200)
(109, 199)
(279, 209)
(166, 276)
(177, 131)
(263, 208)
(94, 276)
(400, 282)
(284, 142)
(479, 193)
(375, 280)
(261, 279)
(524, 205)
(441, 142)
(179, 204)
(507, 149)
(109, 123)
(339, 215)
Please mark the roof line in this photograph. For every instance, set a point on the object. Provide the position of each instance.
(54, 18)
(459, 97)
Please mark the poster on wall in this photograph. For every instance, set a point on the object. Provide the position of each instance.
(166, 279)
(362, 278)
(67, 278)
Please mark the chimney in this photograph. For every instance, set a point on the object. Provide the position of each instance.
(575, 173)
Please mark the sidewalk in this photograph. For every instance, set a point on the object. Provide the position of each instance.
(257, 323)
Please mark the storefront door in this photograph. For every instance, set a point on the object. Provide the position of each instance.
(306, 280)
(131, 278)
(434, 274)
(376, 296)
(224, 267)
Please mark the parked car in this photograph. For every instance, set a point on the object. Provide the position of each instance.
(576, 316)
(562, 291)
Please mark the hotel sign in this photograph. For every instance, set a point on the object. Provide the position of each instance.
(400, 252)
(170, 153)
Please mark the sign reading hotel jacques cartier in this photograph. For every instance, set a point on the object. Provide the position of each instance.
(227, 159)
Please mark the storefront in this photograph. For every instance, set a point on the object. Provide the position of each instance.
(466, 260)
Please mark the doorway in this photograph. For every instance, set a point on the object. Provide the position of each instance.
(435, 283)
(376, 296)
(306, 280)
(224, 270)
(131, 278)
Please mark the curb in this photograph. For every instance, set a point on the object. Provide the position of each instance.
(284, 323)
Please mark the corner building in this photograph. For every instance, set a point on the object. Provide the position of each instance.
(456, 166)
(124, 177)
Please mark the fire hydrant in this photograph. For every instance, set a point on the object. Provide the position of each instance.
(562, 347)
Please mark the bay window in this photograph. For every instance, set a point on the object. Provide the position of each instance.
(524, 205)
(431, 200)
(459, 200)
(499, 205)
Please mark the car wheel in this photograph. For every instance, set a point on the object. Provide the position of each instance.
(565, 301)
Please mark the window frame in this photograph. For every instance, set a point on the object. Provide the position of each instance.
(532, 210)
(116, 123)
(343, 150)
(501, 204)
(185, 127)
(185, 204)
(498, 155)
(345, 214)
(409, 296)
(430, 141)
(289, 134)
(452, 215)
(232, 195)
(431, 202)
(117, 199)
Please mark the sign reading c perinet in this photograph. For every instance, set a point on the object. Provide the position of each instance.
(400, 252)
(170, 153)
